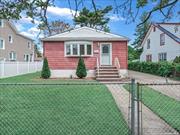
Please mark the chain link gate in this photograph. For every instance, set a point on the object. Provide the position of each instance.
(155, 109)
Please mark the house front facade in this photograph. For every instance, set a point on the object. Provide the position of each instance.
(161, 43)
(97, 48)
(13, 45)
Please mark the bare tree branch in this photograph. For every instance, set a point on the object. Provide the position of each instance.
(156, 9)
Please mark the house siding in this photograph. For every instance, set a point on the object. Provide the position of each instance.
(19, 45)
(54, 51)
(171, 47)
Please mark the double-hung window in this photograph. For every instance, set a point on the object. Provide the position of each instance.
(162, 56)
(162, 39)
(2, 45)
(29, 45)
(10, 39)
(12, 56)
(78, 49)
(148, 43)
(149, 58)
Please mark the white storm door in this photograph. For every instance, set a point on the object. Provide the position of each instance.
(105, 54)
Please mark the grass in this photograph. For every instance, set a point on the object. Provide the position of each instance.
(35, 78)
(58, 109)
(164, 106)
(175, 78)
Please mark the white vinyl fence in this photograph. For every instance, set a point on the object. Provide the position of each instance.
(8, 69)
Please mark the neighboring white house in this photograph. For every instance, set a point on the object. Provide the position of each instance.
(161, 43)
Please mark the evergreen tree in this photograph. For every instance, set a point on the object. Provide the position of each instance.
(45, 73)
(94, 19)
(81, 68)
(141, 30)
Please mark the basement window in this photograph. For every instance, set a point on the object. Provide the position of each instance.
(78, 49)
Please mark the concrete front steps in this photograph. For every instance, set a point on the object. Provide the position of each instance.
(107, 74)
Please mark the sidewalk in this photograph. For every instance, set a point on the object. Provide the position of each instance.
(152, 124)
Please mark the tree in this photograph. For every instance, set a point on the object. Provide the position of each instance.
(36, 50)
(54, 27)
(94, 19)
(81, 68)
(129, 9)
(133, 53)
(45, 73)
(141, 30)
(34, 9)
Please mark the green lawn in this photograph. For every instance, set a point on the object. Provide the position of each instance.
(35, 78)
(58, 109)
(165, 107)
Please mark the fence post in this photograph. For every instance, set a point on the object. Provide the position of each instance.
(28, 66)
(138, 110)
(36, 66)
(132, 106)
(17, 68)
(2, 68)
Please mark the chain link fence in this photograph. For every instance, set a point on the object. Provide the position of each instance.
(160, 107)
(59, 109)
(90, 109)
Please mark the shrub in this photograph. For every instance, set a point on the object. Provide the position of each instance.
(166, 69)
(45, 73)
(156, 68)
(177, 59)
(81, 68)
(177, 68)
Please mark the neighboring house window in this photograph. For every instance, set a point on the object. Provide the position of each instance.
(1, 23)
(154, 29)
(10, 39)
(78, 49)
(2, 44)
(148, 44)
(12, 56)
(149, 58)
(26, 57)
(29, 45)
(162, 56)
(162, 39)
(176, 29)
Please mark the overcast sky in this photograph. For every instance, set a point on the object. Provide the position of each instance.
(62, 11)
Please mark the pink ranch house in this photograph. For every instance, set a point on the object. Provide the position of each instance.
(105, 54)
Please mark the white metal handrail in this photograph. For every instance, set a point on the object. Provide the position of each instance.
(117, 64)
(97, 65)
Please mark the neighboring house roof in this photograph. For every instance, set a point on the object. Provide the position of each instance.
(85, 33)
(16, 31)
(164, 30)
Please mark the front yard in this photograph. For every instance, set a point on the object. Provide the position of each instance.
(58, 109)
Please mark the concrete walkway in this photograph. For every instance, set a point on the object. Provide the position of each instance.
(152, 124)
(169, 90)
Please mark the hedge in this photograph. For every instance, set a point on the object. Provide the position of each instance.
(156, 68)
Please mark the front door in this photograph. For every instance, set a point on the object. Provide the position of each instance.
(105, 54)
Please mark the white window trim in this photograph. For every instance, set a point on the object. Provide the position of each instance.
(78, 44)
(11, 39)
(3, 44)
(2, 23)
(14, 58)
(162, 53)
(26, 57)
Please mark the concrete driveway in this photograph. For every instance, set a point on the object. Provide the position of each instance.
(170, 90)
